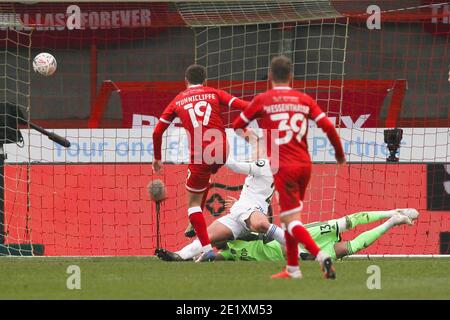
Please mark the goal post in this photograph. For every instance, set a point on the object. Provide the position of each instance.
(15, 46)
(119, 70)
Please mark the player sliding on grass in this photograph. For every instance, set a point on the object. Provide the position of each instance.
(326, 234)
(199, 109)
(284, 113)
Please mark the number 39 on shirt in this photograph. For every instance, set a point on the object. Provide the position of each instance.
(290, 125)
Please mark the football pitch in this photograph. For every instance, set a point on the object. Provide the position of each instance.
(149, 278)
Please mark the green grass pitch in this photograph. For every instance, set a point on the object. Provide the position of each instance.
(149, 278)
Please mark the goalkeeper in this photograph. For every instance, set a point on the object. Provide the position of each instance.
(326, 234)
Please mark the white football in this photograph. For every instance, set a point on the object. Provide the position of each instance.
(44, 63)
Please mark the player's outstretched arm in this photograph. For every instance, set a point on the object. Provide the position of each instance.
(231, 101)
(238, 166)
(254, 167)
(253, 111)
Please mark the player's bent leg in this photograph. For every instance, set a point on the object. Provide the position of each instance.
(197, 219)
(340, 249)
(219, 232)
(198, 222)
(197, 183)
(190, 231)
(351, 221)
(291, 188)
(296, 229)
(292, 268)
(299, 233)
(190, 251)
(258, 222)
(367, 238)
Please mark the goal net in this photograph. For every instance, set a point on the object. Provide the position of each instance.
(15, 204)
(124, 62)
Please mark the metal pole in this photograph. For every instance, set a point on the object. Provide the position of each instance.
(158, 234)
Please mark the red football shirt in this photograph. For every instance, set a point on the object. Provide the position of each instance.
(284, 113)
(199, 109)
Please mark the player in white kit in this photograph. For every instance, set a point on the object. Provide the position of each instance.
(248, 214)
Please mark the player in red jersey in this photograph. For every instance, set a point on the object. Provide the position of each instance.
(284, 113)
(199, 109)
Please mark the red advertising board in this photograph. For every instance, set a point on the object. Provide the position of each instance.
(103, 209)
(361, 103)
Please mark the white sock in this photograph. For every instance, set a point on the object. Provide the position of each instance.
(388, 224)
(276, 233)
(191, 250)
(342, 224)
(321, 256)
(294, 271)
(207, 248)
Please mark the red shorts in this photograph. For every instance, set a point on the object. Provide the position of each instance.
(198, 177)
(291, 183)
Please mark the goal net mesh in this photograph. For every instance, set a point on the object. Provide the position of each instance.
(238, 57)
(118, 70)
(15, 204)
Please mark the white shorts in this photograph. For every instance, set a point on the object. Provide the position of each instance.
(236, 219)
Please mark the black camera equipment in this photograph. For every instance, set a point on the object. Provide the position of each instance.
(393, 138)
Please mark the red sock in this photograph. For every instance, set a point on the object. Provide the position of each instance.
(299, 232)
(198, 222)
(291, 250)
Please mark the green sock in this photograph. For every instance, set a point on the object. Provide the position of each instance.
(365, 239)
(366, 217)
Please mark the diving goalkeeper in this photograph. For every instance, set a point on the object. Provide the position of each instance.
(326, 234)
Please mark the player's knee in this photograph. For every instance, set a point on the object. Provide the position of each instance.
(289, 218)
(340, 249)
(194, 199)
(259, 223)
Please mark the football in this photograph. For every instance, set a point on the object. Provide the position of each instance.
(44, 63)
